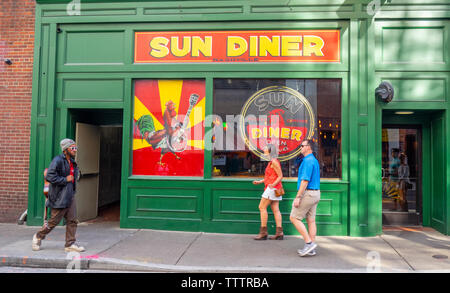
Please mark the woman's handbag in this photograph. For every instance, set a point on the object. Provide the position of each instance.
(279, 191)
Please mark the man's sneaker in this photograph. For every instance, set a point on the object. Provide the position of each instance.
(36, 243)
(312, 252)
(307, 248)
(75, 248)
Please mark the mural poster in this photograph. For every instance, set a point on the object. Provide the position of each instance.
(168, 127)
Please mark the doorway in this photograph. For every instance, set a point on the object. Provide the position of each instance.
(98, 135)
(402, 175)
(420, 136)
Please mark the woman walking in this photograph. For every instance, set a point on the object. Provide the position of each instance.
(272, 181)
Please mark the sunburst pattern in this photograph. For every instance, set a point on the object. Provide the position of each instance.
(169, 90)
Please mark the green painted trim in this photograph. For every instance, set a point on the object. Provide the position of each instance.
(374, 173)
(127, 131)
(217, 218)
(208, 153)
(354, 199)
(426, 178)
(41, 147)
(438, 211)
(34, 161)
(447, 159)
(129, 66)
(395, 66)
(173, 11)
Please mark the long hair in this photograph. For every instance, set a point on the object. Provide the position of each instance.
(273, 151)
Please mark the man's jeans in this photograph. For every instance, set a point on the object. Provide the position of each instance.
(70, 214)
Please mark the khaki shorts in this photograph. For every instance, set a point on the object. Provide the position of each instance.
(308, 205)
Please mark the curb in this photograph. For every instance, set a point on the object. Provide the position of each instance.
(46, 263)
(112, 264)
(118, 264)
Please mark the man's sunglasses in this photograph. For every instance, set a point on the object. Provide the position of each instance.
(73, 148)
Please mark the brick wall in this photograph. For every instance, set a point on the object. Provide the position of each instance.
(16, 43)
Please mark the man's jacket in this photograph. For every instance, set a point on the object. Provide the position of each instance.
(61, 192)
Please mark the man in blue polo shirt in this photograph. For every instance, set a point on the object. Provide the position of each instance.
(307, 198)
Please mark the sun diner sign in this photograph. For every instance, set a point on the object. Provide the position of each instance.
(268, 46)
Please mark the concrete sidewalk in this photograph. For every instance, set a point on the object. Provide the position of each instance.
(112, 248)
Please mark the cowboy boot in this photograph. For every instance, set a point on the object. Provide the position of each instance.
(262, 234)
(278, 235)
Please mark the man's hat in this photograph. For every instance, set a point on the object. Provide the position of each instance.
(66, 143)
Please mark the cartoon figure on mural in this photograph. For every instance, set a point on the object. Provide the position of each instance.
(172, 137)
(158, 139)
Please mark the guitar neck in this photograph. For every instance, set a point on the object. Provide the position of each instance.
(186, 118)
(192, 101)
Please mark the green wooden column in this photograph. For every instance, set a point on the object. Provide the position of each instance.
(42, 116)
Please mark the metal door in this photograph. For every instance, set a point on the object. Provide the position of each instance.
(88, 154)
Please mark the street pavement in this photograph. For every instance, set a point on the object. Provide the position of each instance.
(111, 248)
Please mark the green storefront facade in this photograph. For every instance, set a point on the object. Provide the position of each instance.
(85, 71)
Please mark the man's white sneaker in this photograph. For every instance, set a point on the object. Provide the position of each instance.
(312, 252)
(307, 248)
(75, 248)
(36, 243)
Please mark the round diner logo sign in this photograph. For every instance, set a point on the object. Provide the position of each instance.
(277, 115)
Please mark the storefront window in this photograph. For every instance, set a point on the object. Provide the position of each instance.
(168, 127)
(251, 113)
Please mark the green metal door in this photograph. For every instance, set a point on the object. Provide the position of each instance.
(438, 179)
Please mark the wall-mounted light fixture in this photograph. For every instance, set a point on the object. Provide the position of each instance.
(404, 112)
(385, 92)
(8, 61)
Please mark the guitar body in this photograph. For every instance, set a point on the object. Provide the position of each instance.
(178, 141)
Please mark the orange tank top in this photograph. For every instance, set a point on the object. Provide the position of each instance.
(270, 176)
